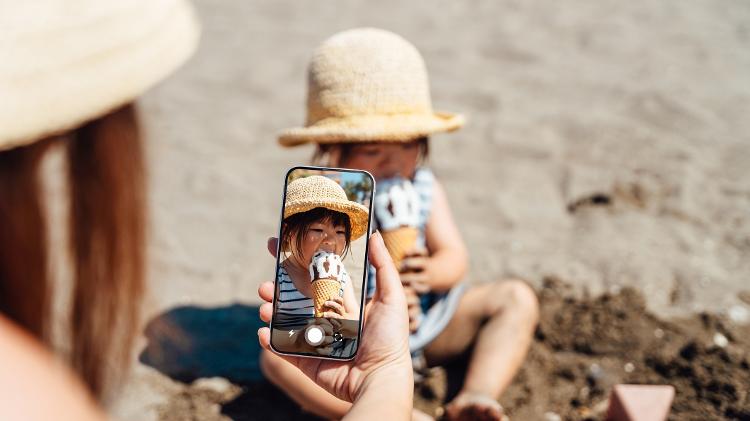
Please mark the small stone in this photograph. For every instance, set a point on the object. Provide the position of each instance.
(720, 340)
(629, 367)
(739, 314)
(704, 282)
(551, 416)
(595, 372)
(584, 392)
(219, 385)
(658, 333)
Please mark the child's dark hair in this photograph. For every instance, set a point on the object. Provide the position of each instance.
(297, 226)
(346, 149)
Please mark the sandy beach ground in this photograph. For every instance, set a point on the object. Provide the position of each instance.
(607, 146)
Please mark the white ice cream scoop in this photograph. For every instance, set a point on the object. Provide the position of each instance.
(396, 204)
(326, 265)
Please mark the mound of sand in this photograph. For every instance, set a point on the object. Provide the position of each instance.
(583, 346)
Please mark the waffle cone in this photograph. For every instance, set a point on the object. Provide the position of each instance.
(324, 290)
(399, 241)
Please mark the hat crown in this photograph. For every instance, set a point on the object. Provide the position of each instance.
(63, 63)
(316, 187)
(366, 71)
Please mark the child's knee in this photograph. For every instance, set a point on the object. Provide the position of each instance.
(521, 300)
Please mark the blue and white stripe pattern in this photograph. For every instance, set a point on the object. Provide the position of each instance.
(289, 301)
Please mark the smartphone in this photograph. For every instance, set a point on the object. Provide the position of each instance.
(321, 264)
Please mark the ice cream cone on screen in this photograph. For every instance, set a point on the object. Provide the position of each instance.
(327, 274)
(397, 212)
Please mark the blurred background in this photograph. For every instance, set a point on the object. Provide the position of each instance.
(607, 145)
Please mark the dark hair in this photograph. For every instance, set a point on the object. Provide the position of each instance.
(107, 234)
(324, 149)
(297, 226)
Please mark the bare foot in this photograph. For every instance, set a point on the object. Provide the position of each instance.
(474, 407)
(417, 415)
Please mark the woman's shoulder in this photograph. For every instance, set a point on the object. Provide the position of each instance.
(27, 369)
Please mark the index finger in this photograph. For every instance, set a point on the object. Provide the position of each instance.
(416, 251)
(413, 263)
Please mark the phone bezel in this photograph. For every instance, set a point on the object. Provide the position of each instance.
(365, 274)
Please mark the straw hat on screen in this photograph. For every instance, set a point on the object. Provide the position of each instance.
(368, 85)
(65, 62)
(317, 191)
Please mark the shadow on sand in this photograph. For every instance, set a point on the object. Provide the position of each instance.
(188, 343)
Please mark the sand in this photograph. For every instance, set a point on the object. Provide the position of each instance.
(582, 347)
(607, 146)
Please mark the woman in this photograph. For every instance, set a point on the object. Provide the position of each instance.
(70, 74)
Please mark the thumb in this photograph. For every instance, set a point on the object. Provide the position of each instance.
(387, 281)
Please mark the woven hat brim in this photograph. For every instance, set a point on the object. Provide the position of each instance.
(358, 214)
(90, 68)
(370, 128)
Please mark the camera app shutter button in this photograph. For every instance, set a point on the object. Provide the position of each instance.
(314, 335)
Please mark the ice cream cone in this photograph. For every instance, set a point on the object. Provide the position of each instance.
(399, 241)
(324, 290)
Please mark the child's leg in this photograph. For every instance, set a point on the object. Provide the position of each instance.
(499, 318)
(301, 389)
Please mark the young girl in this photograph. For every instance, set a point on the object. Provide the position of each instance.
(318, 217)
(369, 108)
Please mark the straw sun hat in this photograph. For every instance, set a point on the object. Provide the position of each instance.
(368, 85)
(65, 62)
(304, 194)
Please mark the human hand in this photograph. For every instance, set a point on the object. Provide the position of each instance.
(335, 306)
(414, 270)
(382, 360)
(414, 308)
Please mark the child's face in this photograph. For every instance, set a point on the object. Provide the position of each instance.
(323, 236)
(384, 160)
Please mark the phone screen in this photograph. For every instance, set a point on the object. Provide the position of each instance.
(321, 267)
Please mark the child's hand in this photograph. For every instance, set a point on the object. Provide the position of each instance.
(413, 270)
(414, 309)
(336, 307)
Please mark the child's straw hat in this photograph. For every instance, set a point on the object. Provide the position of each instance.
(368, 85)
(317, 191)
(65, 62)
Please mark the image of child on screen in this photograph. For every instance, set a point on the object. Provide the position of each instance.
(313, 286)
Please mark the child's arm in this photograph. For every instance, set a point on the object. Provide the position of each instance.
(350, 302)
(448, 259)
